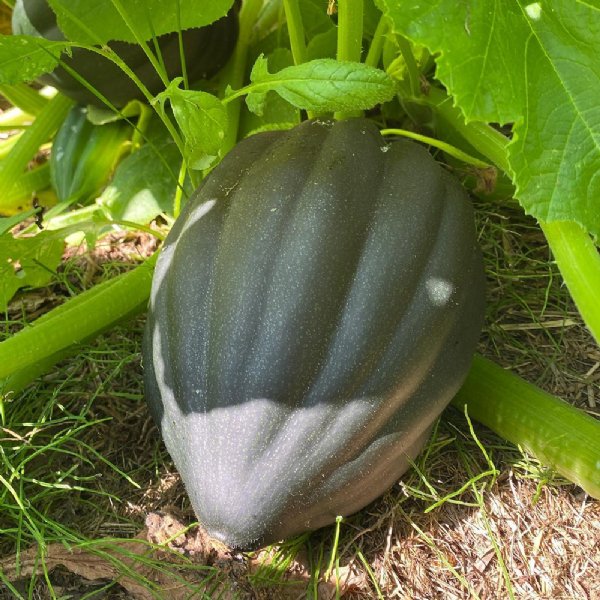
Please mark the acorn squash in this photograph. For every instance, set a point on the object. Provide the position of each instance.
(314, 309)
(206, 49)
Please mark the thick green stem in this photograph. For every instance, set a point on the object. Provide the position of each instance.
(579, 262)
(295, 26)
(39, 132)
(77, 320)
(349, 41)
(557, 434)
(350, 28)
(22, 378)
(235, 72)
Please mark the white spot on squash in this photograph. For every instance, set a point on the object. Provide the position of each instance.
(439, 290)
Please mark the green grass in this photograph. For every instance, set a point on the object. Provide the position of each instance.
(75, 464)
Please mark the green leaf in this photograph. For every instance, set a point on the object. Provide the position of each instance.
(315, 18)
(144, 184)
(322, 45)
(27, 262)
(323, 85)
(203, 121)
(256, 100)
(99, 21)
(23, 58)
(532, 63)
(277, 113)
(556, 153)
(480, 45)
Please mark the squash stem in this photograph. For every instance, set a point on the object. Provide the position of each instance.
(349, 41)
(40, 131)
(77, 320)
(350, 29)
(293, 18)
(579, 262)
(235, 72)
(557, 434)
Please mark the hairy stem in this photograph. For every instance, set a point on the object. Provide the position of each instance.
(349, 41)
(293, 17)
(77, 320)
(235, 72)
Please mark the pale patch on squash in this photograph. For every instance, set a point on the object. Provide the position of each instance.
(439, 290)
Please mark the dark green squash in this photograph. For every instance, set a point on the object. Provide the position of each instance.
(314, 309)
(206, 49)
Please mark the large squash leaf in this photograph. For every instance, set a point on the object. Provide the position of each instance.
(100, 21)
(23, 58)
(533, 64)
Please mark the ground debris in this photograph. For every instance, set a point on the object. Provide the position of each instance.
(95, 565)
(166, 539)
